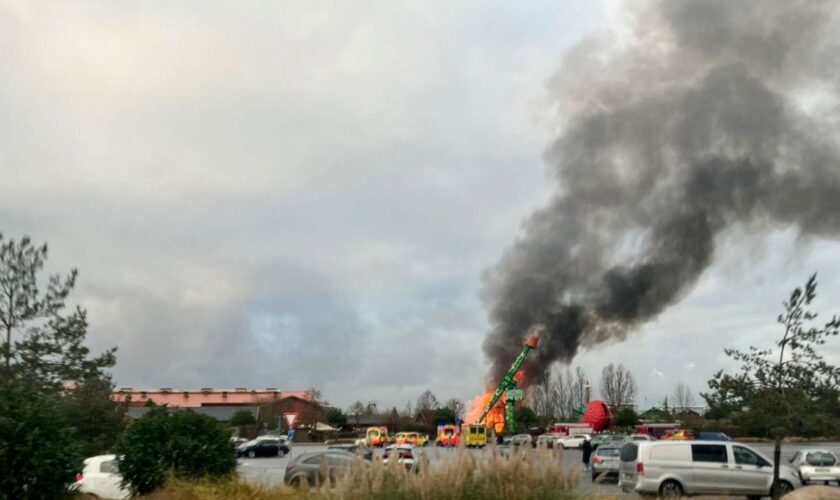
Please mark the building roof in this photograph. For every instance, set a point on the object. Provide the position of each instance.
(218, 412)
(204, 397)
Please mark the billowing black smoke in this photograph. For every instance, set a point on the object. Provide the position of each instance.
(699, 120)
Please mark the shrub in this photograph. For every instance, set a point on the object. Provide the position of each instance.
(242, 417)
(184, 444)
(98, 420)
(39, 453)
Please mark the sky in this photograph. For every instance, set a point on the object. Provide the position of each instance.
(306, 194)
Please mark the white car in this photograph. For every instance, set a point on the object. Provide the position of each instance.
(101, 478)
(817, 466)
(573, 441)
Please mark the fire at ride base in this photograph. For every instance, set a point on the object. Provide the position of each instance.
(509, 388)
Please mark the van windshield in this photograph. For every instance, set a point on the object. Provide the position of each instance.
(629, 452)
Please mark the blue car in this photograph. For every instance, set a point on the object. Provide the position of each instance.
(713, 436)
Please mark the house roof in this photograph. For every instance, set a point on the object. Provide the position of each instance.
(204, 397)
(426, 416)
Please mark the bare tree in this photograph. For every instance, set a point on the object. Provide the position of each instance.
(682, 397)
(617, 386)
(427, 401)
(569, 393)
(455, 405)
(540, 398)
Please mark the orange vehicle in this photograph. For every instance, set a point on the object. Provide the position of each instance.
(414, 438)
(678, 435)
(448, 435)
(377, 436)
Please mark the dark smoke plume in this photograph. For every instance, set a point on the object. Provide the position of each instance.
(697, 120)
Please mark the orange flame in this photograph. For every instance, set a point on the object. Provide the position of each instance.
(496, 417)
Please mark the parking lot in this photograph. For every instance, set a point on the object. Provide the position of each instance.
(269, 471)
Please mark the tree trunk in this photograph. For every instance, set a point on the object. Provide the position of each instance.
(775, 493)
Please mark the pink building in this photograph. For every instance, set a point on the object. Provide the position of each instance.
(204, 397)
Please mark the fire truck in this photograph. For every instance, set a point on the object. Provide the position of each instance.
(448, 435)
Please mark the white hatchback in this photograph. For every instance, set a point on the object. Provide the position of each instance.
(101, 477)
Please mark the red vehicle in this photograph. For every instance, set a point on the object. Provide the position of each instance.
(567, 429)
(448, 435)
(656, 431)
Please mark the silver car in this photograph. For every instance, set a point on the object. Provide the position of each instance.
(817, 466)
(605, 462)
(678, 468)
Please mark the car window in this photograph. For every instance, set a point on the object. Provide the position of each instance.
(820, 459)
(709, 453)
(109, 467)
(314, 460)
(629, 452)
(743, 456)
(336, 459)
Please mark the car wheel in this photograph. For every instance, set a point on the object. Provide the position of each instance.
(280, 453)
(252, 454)
(785, 487)
(671, 489)
(594, 476)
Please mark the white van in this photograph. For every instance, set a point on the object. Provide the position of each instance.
(677, 468)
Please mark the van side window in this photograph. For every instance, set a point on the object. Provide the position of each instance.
(744, 456)
(709, 453)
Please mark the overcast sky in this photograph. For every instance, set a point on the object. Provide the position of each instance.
(305, 194)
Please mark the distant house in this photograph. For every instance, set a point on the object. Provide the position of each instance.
(362, 421)
(217, 403)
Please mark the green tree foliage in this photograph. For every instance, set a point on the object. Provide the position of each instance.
(626, 417)
(41, 341)
(242, 417)
(794, 375)
(444, 416)
(39, 456)
(98, 420)
(336, 417)
(183, 443)
(786, 389)
(525, 418)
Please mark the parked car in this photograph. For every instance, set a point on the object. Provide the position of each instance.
(547, 440)
(363, 451)
(678, 468)
(605, 462)
(307, 468)
(817, 466)
(614, 440)
(713, 436)
(640, 437)
(518, 439)
(406, 454)
(573, 441)
(237, 441)
(101, 478)
(262, 448)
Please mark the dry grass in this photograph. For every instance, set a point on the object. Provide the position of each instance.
(530, 474)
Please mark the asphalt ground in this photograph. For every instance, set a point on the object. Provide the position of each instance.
(269, 471)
